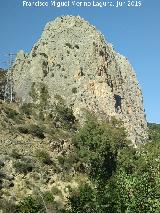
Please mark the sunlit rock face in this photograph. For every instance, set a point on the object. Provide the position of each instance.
(74, 61)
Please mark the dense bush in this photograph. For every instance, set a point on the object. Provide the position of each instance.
(15, 154)
(97, 145)
(32, 129)
(154, 132)
(122, 179)
(66, 162)
(14, 115)
(56, 191)
(64, 114)
(29, 205)
(23, 167)
(74, 90)
(48, 197)
(23, 129)
(36, 131)
(43, 157)
(83, 200)
(26, 109)
(43, 202)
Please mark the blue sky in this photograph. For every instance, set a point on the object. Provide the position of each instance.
(134, 32)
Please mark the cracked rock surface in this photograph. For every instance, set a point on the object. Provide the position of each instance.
(75, 62)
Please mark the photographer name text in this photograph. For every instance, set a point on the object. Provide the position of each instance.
(69, 3)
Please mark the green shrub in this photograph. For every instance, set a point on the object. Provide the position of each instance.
(30, 205)
(2, 175)
(48, 197)
(66, 162)
(15, 154)
(40, 95)
(83, 200)
(36, 131)
(68, 45)
(64, 115)
(23, 129)
(131, 181)
(26, 109)
(135, 192)
(33, 130)
(14, 115)
(56, 191)
(61, 160)
(43, 157)
(97, 144)
(154, 132)
(23, 167)
(74, 90)
(38, 204)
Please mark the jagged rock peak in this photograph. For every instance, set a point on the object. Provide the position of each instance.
(75, 62)
(69, 22)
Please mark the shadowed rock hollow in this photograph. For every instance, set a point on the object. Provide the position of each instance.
(74, 61)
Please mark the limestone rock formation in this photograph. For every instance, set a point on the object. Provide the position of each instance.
(74, 61)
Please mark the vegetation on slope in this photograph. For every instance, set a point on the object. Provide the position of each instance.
(111, 175)
(122, 179)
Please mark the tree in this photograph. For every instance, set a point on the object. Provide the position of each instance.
(97, 145)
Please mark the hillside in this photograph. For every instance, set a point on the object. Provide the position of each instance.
(32, 155)
(52, 163)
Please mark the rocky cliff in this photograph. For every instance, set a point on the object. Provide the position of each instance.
(75, 62)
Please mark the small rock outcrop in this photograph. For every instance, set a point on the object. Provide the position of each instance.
(75, 62)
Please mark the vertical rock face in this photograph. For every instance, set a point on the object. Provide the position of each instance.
(73, 59)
